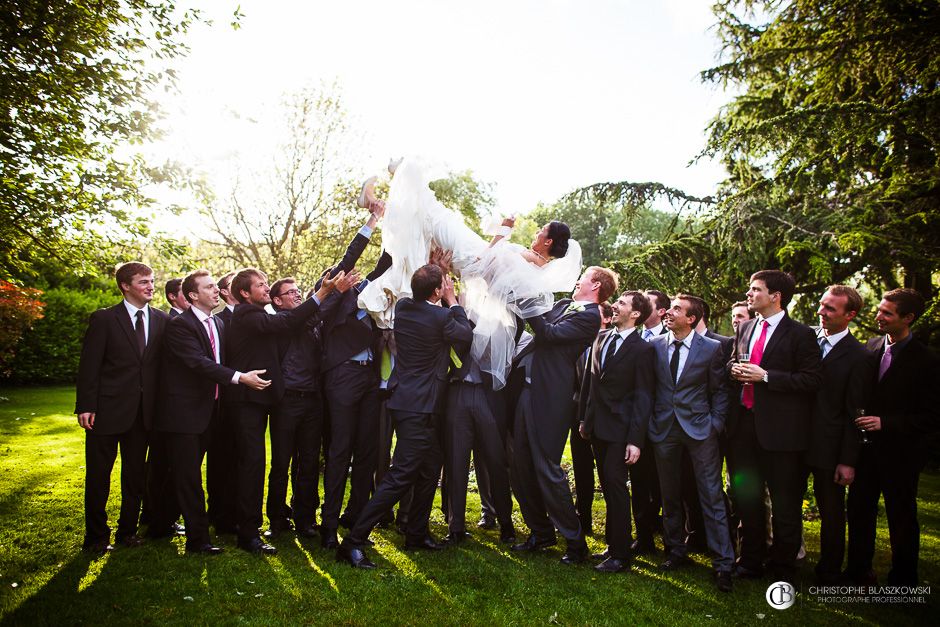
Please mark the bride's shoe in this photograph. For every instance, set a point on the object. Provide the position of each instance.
(393, 165)
(367, 195)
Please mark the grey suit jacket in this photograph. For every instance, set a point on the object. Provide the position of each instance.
(699, 399)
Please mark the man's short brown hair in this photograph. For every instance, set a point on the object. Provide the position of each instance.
(242, 281)
(853, 300)
(226, 281)
(696, 306)
(189, 282)
(907, 301)
(126, 272)
(639, 302)
(777, 281)
(608, 280)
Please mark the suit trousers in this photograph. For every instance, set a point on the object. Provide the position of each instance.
(891, 469)
(470, 424)
(222, 471)
(830, 498)
(100, 453)
(782, 472)
(706, 464)
(416, 464)
(645, 498)
(539, 483)
(614, 476)
(161, 507)
(353, 398)
(186, 452)
(251, 422)
(296, 431)
(582, 462)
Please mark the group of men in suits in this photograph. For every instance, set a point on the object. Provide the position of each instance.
(777, 402)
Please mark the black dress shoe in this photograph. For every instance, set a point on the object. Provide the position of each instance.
(205, 549)
(257, 546)
(613, 565)
(723, 580)
(643, 547)
(307, 531)
(507, 535)
(674, 562)
(328, 539)
(132, 541)
(456, 537)
(534, 544)
(353, 555)
(486, 522)
(743, 572)
(575, 555)
(427, 543)
(100, 547)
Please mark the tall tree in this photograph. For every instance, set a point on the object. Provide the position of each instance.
(75, 77)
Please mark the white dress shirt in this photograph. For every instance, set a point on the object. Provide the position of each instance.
(683, 354)
(132, 312)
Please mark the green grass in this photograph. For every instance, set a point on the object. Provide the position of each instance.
(46, 579)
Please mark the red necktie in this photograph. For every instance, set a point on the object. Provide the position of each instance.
(747, 397)
(209, 326)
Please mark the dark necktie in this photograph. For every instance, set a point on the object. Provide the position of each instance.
(674, 362)
(141, 334)
(611, 349)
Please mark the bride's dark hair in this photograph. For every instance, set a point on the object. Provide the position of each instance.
(559, 233)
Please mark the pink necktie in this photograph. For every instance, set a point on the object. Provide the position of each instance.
(747, 397)
(212, 344)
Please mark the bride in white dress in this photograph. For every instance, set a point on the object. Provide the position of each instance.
(498, 279)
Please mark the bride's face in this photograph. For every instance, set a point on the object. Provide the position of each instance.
(542, 241)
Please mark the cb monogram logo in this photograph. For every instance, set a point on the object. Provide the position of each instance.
(781, 595)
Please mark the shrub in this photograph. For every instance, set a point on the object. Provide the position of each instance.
(20, 307)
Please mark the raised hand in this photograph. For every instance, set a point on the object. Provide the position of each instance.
(253, 379)
(377, 207)
(343, 283)
(448, 295)
(441, 258)
(509, 221)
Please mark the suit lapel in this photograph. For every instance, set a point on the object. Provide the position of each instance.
(153, 336)
(622, 350)
(839, 349)
(783, 328)
(124, 321)
(695, 348)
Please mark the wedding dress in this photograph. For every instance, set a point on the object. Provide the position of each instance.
(496, 282)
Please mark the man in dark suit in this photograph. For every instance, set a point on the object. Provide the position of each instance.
(115, 400)
(175, 297)
(617, 400)
(191, 377)
(229, 301)
(543, 414)
(351, 375)
(425, 333)
(834, 440)
(690, 413)
(252, 344)
(773, 424)
(902, 410)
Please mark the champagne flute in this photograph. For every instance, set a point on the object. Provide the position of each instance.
(859, 412)
(744, 358)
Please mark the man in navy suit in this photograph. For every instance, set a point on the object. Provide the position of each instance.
(191, 377)
(690, 412)
(616, 403)
(903, 409)
(425, 333)
(115, 401)
(775, 396)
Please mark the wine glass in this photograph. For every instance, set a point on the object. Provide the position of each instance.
(859, 412)
(744, 358)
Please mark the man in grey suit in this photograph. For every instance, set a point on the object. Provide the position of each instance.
(690, 411)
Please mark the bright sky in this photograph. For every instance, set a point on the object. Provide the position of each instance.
(537, 96)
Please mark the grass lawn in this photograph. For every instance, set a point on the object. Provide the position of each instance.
(45, 578)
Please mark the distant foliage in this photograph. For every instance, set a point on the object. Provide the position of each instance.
(20, 307)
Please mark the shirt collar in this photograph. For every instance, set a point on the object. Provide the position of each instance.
(132, 310)
(773, 320)
(177, 310)
(687, 341)
(899, 344)
(230, 307)
(625, 333)
(835, 337)
(202, 317)
(657, 330)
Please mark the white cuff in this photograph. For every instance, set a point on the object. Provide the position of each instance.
(236, 377)
(505, 231)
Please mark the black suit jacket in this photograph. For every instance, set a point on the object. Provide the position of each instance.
(114, 380)
(344, 334)
(908, 397)
(846, 376)
(783, 407)
(727, 344)
(618, 398)
(253, 344)
(559, 339)
(189, 375)
(225, 315)
(424, 335)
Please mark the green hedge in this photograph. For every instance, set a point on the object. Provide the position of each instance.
(49, 352)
